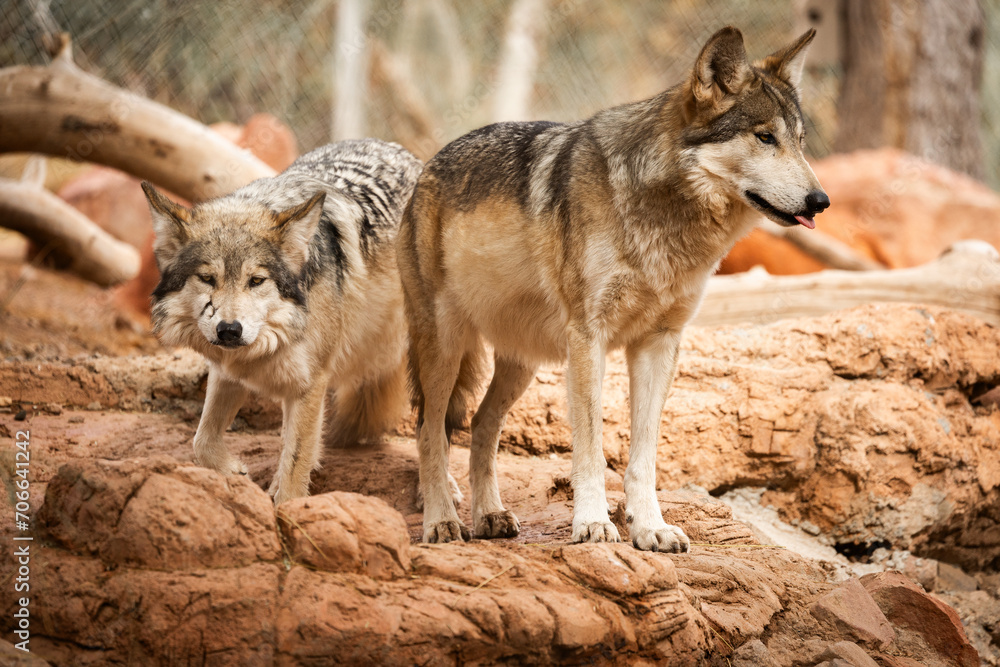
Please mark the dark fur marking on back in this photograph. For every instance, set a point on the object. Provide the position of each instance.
(326, 252)
(562, 168)
(495, 158)
(326, 249)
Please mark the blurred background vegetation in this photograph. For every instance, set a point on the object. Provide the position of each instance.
(426, 71)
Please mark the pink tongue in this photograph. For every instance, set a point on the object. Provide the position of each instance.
(806, 222)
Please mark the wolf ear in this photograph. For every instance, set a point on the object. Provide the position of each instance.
(170, 224)
(721, 69)
(296, 227)
(787, 63)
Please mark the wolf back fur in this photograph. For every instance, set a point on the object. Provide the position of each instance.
(289, 288)
(561, 241)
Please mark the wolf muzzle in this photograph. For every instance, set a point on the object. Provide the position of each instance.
(230, 333)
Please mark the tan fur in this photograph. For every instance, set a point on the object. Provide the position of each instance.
(562, 242)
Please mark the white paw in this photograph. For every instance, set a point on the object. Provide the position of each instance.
(234, 467)
(446, 531)
(595, 531)
(670, 539)
(456, 492)
(229, 465)
(281, 492)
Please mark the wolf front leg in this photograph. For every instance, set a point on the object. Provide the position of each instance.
(301, 428)
(223, 399)
(585, 374)
(651, 364)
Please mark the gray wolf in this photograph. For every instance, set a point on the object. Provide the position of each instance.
(561, 241)
(289, 287)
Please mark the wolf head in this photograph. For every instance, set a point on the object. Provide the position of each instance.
(744, 128)
(231, 272)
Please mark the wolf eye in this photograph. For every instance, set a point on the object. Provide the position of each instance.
(256, 280)
(207, 279)
(766, 138)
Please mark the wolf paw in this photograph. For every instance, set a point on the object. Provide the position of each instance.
(227, 466)
(446, 531)
(670, 539)
(456, 492)
(497, 524)
(233, 467)
(597, 531)
(282, 492)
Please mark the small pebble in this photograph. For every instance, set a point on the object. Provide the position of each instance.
(76, 419)
(21, 415)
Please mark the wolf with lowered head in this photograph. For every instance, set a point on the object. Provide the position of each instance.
(562, 241)
(289, 288)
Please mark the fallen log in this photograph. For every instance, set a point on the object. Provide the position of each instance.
(832, 252)
(69, 236)
(63, 111)
(966, 278)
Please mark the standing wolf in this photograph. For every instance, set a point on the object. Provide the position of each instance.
(561, 241)
(289, 287)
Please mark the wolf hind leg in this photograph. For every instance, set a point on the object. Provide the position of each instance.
(470, 373)
(489, 518)
(224, 397)
(440, 365)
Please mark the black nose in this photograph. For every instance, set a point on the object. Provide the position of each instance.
(817, 202)
(229, 332)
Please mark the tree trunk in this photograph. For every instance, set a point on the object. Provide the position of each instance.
(349, 76)
(63, 111)
(76, 242)
(912, 72)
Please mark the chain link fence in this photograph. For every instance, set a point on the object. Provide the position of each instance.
(422, 72)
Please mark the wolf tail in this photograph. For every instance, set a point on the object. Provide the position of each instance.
(469, 378)
(364, 412)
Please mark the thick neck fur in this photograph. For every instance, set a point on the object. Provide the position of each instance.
(660, 191)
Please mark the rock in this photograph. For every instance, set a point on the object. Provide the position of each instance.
(980, 614)
(850, 652)
(886, 660)
(753, 654)
(114, 201)
(913, 207)
(852, 610)
(14, 657)
(267, 137)
(164, 515)
(346, 532)
(950, 578)
(193, 558)
(921, 618)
